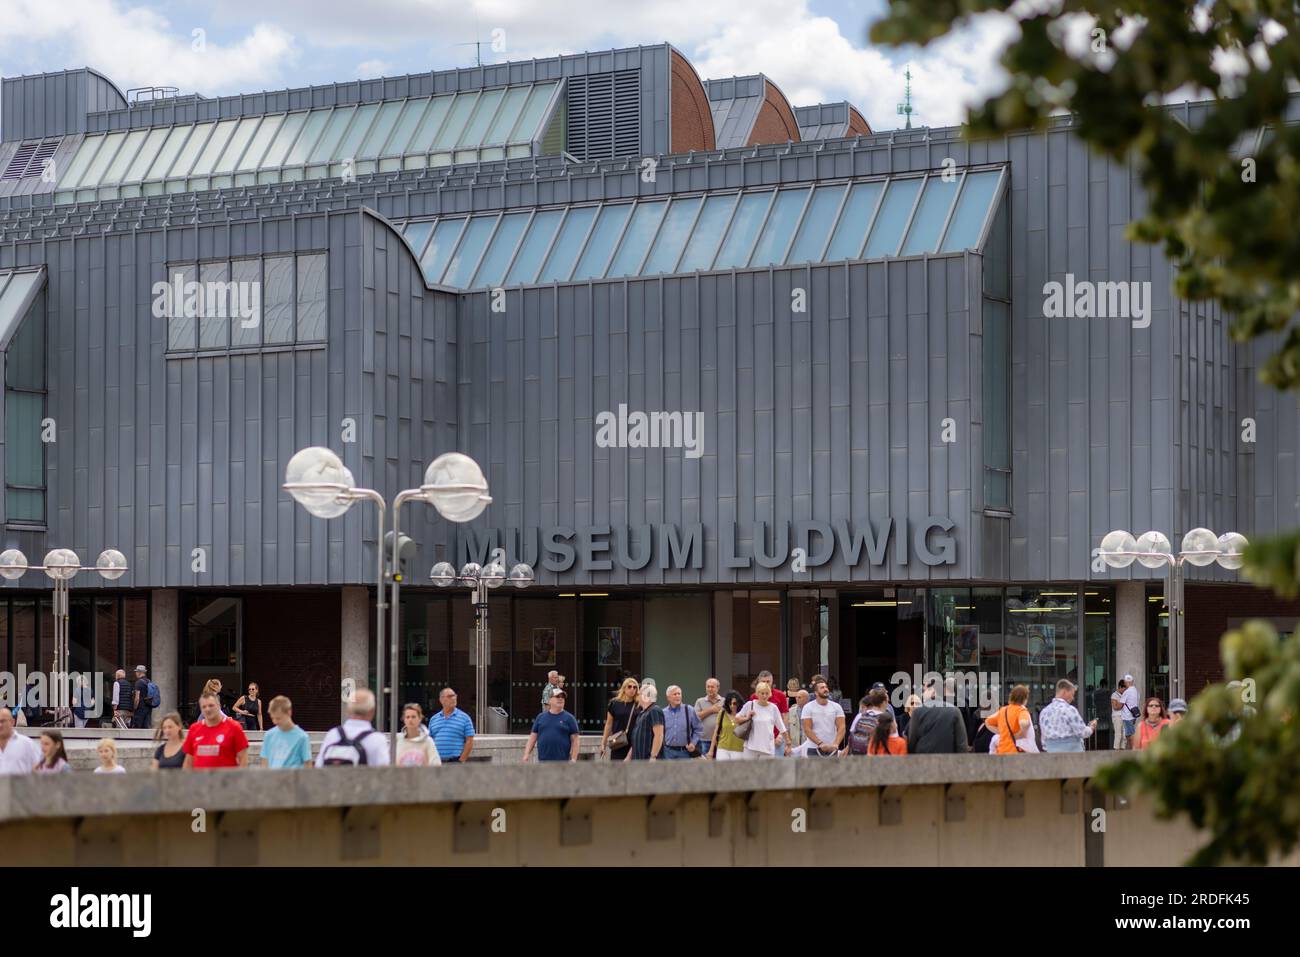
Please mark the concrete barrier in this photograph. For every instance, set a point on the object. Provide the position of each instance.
(918, 810)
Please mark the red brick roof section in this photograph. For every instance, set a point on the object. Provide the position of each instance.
(692, 121)
(857, 125)
(776, 122)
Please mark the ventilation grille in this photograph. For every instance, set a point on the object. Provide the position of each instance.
(30, 159)
(604, 115)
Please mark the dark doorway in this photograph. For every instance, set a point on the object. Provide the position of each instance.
(882, 632)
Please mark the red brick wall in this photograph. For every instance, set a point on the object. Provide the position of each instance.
(776, 122)
(692, 122)
(858, 126)
(1208, 608)
(292, 647)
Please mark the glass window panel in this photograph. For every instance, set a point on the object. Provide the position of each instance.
(609, 224)
(313, 296)
(171, 148)
(744, 228)
(85, 155)
(212, 149)
(405, 126)
(1041, 644)
(324, 150)
(707, 233)
(214, 324)
(252, 157)
(477, 127)
(181, 325)
(311, 131)
(456, 120)
(502, 248)
(640, 231)
(779, 227)
(147, 154)
(567, 244)
(816, 226)
(972, 209)
(846, 243)
(190, 151)
(417, 234)
(246, 329)
(422, 140)
(894, 210)
(284, 137)
(380, 129)
(116, 172)
(24, 461)
(277, 299)
(531, 116)
(238, 142)
(25, 505)
(507, 115)
(927, 224)
(672, 236)
(467, 254)
(540, 233)
(434, 261)
(350, 144)
(99, 165)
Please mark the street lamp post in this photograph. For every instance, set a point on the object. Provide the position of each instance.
(481, 579)
(61, 566)
(1200, 547)
(320, 482)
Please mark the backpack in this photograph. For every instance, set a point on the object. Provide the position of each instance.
(346, 751)
(154, 696)
(860, 738)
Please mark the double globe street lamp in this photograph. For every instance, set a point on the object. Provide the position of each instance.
(1200, 547)
(453, 484)
(61, 565)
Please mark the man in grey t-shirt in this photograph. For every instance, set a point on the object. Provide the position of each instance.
(708, 709)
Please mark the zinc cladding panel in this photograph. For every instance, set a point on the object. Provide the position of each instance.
(604, 115)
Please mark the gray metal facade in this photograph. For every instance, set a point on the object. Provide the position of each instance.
(833, 414)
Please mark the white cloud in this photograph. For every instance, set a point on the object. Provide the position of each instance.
(370, 69)
(137, 46)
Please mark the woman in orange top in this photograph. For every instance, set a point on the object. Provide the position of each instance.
(1149, 728)
(883, 739)
(1010, 721)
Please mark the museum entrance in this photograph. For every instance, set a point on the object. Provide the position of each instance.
(882, 633)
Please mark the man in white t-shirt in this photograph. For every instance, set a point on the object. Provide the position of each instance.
(1132, 709)
(823, 724)
(18, 753)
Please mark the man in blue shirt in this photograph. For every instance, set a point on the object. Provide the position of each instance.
(555, 732)
(452, 730)
(681, 728)
(286, 745)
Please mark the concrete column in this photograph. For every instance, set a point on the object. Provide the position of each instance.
(1130, 633)
(354, 659)
(164, 659)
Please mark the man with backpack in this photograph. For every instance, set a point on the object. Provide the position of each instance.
(145, 697)
(355, 741)
(864, 725)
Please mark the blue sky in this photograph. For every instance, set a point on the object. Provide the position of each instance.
(815, 50)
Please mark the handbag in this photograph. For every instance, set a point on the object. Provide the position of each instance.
(743, 731)
(619, 738)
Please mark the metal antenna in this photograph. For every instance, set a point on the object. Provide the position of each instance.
(905, 108)
(478, 51)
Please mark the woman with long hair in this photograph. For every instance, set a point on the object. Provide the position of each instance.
(54, 759)
(170, 754)
(620, 716)
(726, 746)
(1153, 722)
(415, 748)
(883, 739)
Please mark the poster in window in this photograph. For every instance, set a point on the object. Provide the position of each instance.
(1042, 645)
(417, 647)
(543, 647)
(966, 649)
(609, 647)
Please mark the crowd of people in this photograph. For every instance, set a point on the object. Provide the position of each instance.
(802, 721)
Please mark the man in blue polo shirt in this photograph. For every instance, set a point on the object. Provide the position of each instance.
(555, 733)
(452, 730)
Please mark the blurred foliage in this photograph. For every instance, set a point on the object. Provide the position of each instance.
(1222, 184)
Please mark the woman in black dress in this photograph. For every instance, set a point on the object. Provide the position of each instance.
(621, 716)
(170, 755)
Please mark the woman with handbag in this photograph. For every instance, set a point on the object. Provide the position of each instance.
(619, 718)
(728, 744)
(1012, 722)
(767, 728)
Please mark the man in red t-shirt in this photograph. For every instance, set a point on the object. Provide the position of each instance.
(778, 697)
(216, 741)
